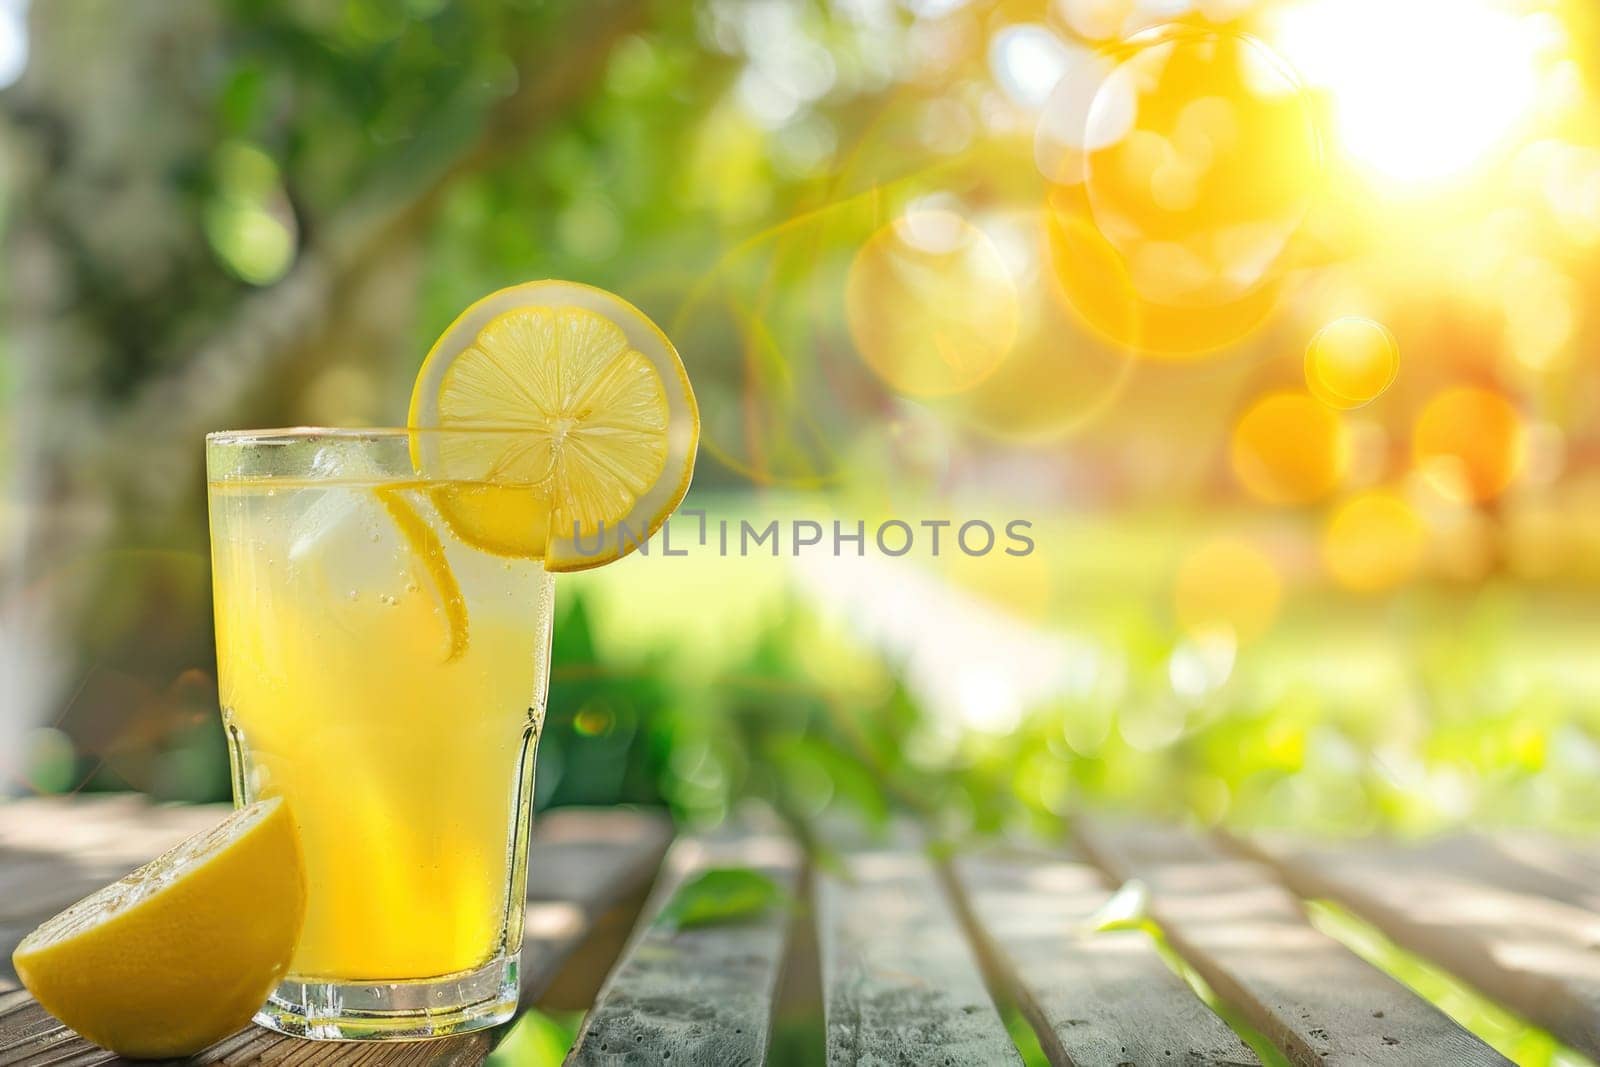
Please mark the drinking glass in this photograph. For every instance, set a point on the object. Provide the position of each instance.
(386, 676)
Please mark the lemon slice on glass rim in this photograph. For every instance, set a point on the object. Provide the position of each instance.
(590, 426)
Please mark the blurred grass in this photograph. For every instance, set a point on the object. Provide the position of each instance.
(537, 1039)
(1023, 1036)
(1515, 1038)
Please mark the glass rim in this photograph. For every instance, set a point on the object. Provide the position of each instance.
(473, 455)
(289, 434)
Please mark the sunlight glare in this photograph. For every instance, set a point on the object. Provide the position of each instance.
(13, 40)
(1421, 89)
(1028, 60)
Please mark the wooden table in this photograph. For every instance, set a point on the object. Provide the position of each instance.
(904, 958)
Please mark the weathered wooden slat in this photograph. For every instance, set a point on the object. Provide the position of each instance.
(1564, 869)
(702, 994)
(54, 850)
(1475, 911)
(581, 865)
(901, 985)
(26, 1028)
(1248, 937)
(1093, 996)
(91, 823)
(1530, 865)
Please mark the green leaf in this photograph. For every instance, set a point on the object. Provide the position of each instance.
(722, 895)
(536, 1039)
(1126, 909)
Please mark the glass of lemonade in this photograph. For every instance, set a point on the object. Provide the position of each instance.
(386, 678)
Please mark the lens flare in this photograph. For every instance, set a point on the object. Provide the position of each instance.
(1374, 542)
(1350, 362)
(931, 306)
(756, 421)
(1059, 378)
(1469, 442)
(767, 323)
(1184, 162)
(1096, 20)
(1227, 586)
(771, 319)
(1093, 281)
(1215, 171)
(1289, 449)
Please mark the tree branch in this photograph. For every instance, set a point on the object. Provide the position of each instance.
(169, 414)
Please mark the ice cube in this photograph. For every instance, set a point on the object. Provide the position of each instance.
(344, 534)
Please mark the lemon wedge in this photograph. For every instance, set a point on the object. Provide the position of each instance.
(180, 953)
(604, 424)
(429, 551)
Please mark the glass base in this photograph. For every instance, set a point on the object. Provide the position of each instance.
(394, 1011)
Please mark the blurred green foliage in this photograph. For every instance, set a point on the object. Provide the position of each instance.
(536, 1039)
(267, 211)
(1431, 709)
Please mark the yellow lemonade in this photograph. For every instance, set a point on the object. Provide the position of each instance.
(387, 680)
(383, 608)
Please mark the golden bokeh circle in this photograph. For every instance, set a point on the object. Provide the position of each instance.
(1060, 377)
(1184, 161)
(1289, 449)
(1470, 443)
(1227, 585)
(1373, 542)
(1351, 361)
(1092, 279)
